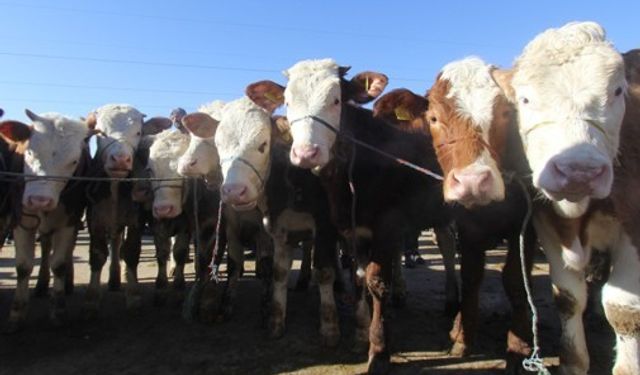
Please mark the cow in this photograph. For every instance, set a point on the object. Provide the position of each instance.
(239, 229)
(475, 139)
(391, 200)
(111, 208)
(52, 146)
(571, 87)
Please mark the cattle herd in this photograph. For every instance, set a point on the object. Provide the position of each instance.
(553, 138)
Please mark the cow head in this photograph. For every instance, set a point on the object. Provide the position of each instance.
(164, 152)
(315, 96)
(201, 157)
(568, 86)
(52, 146)
(244, 140)
(120, 128)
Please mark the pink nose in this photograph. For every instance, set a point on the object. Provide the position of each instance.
(234, 193)
(305, 154)
(573, 173)
(163, 210)
(470, 185)
(39, 202)
(121, 161)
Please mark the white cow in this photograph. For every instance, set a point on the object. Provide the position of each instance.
(569, 88)
(53, 145)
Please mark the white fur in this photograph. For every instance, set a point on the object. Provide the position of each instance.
(120, 123)
(201, 157)
(243, 128)
(164, 154)
(473, 89)
(313, 87)
(213, 109)
(55, 144)
(568, 76)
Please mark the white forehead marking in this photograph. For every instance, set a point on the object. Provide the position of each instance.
(242, 122)
(473, 89)
(311, 80)
(213, 109)
(117, 118)
(166, 149)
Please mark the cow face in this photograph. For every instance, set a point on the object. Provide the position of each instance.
(568, 86)
(52, 146)
(164, 152)
(243, 140)
(314, 99)
(468, 118)
(201, 157)
(120, 129)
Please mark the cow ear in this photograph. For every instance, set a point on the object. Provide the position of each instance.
(281, 130)
(366, 86)
(92, 120)
(502, 78)
(200, 124)
(15, 131)
(267, 94)
(145, 143)
(1, 112)
(156, 125)
(402, 108)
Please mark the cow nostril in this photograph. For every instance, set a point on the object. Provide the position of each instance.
(193, 163)
(112, 157)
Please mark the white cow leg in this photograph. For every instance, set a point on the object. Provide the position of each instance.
(130, 252)
(281, 266)
(25, 242)
(63, 241)
(570, 294)
(180, 255)
(621, 301)
(44, 274)
(329, 328)
(98, 252)
(363, 316)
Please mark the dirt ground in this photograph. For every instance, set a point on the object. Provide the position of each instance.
(156, 340)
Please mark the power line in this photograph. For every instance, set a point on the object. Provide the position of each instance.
(79, 103)
(162, 64)
(113, 88)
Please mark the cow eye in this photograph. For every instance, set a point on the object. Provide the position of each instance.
(618, 91)
(262, 147)
(138, 133)
(525, 101)
(74, 162)
(433, 119)
(336, 102)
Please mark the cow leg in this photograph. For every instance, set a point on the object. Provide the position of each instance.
(621, 301)
(98, 252)
(68, 282)
(114, 268)
(162, 242)
(570, 294)
(180, 255)
(210, 299)
(363, 315)
(465, 325)
(281, 266)
(25, 242)
(44, 274)
(131, 248)
(63, 241)
(398, 284)
(446, 240)
(325, 273)
(235, 264)
(305, 268)
(519, 335)
(264, 272)
(378, 277)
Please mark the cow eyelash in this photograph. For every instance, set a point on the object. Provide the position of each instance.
(262, 147)
(336, 102)
(618, 91)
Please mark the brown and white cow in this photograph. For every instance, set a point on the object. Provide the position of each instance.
(111, 208)
(53, 145)
(569, 87)
(391, 199)
(475, 138)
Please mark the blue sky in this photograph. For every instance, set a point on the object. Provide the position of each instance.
(71, 56)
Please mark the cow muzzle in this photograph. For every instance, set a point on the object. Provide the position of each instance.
(575, 179)
(237, 195)
(475, 187)
(165, 210)
(308, 156)
(39, 203)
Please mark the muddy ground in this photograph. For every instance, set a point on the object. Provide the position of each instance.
(156, 340)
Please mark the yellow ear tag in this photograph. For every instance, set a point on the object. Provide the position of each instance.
(366, 84)
(402, 114)
(272, 98)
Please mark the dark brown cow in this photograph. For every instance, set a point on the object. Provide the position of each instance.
(476, 142)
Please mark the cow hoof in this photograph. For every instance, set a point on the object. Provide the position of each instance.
(276, 331)
(399, 300)
(379, 365)
(331, 340)
(114, 285)
(13, 326)
(41, 290)
(458, 349)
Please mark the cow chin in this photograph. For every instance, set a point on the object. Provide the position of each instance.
(117, 173)
(246, 206)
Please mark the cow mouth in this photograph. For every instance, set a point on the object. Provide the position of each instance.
(118, 172)
(244, 206)
(570, 195)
